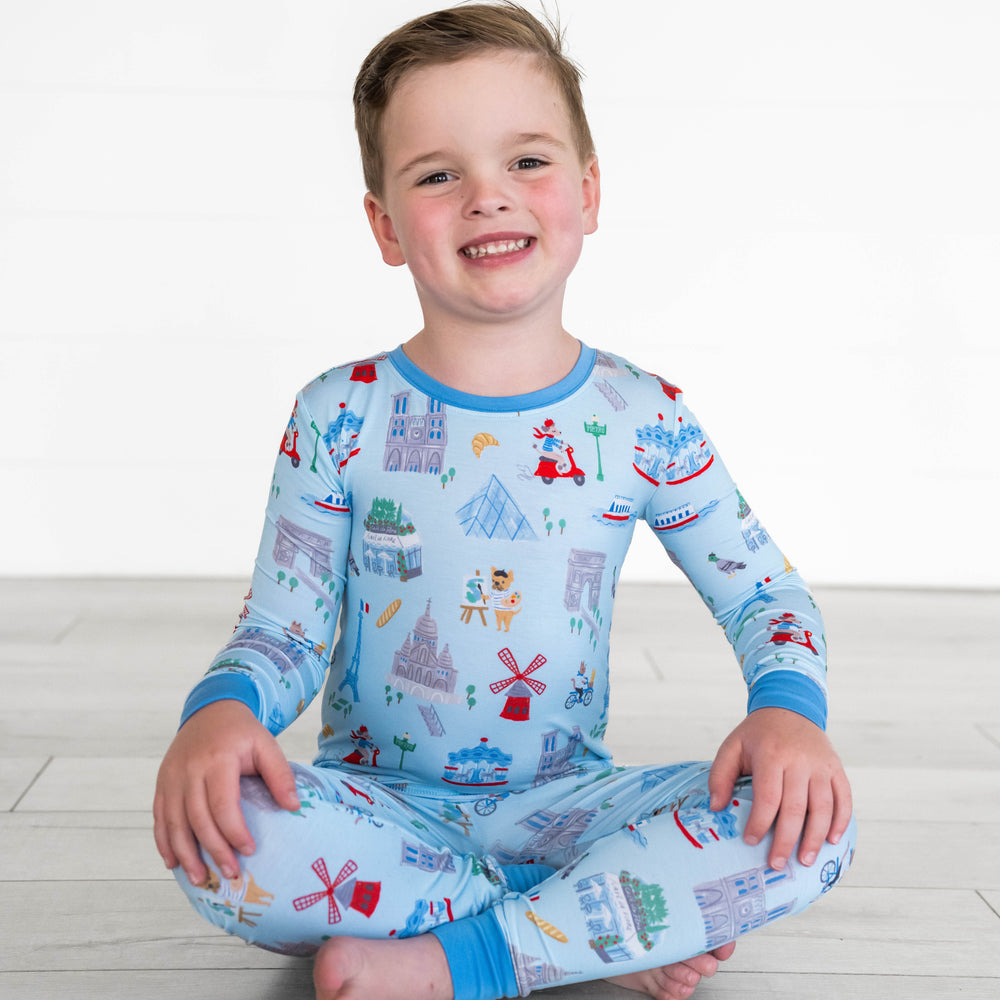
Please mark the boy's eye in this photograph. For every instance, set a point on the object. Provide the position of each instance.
(529, 163)
(438, 177)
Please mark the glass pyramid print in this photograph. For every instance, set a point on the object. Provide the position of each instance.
(492, 513)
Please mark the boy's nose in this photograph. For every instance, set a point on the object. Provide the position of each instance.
(487, 198)
(489, 209)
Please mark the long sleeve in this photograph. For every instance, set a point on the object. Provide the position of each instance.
(278, 655)
(712, 535)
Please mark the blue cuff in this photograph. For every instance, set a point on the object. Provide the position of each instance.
(792, 690)
(222, 687)
(521, 878)
(478, 957)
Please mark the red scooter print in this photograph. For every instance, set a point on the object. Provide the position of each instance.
(289, 441)
(561, 465)
(788, 628)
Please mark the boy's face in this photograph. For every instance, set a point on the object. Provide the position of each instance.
(485, 198)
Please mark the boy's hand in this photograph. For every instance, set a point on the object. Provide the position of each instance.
(797, 777)
(197, 797)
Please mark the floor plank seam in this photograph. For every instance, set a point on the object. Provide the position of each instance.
(31, 784)
(72, 624)
(996, 912)
(983, 731)
(651, 660)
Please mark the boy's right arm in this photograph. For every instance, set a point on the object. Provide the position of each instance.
(197, 798)
(265, 676)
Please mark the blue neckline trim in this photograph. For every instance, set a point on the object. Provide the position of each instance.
(562, 389)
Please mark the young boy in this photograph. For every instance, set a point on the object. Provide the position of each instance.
(416, 497)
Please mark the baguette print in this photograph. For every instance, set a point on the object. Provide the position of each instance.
(550, 929)
(388, 613)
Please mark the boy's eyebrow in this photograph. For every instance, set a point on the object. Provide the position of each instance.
(530, 138)
(520, 139)
(420, 160)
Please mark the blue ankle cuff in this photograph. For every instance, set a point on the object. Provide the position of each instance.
(478, 957)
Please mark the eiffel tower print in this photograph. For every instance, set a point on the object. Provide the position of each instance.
(351, 677)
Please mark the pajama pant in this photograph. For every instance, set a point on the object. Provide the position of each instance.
(589, 875)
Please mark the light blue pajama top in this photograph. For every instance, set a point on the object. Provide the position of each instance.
(469, 548)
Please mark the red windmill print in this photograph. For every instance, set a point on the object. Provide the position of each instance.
(519, 697)
(355, 895)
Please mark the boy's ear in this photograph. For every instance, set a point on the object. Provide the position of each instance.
(591, 195)
(383, 231)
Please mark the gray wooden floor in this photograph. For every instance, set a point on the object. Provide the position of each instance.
(94, 674)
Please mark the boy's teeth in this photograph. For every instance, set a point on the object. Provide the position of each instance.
(489, 249)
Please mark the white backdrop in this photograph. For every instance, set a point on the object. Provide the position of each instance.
(801, 227)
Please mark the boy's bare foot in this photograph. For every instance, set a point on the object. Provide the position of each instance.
(348, 968)
(677, 981)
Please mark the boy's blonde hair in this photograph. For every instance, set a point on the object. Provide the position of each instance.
(447, 36)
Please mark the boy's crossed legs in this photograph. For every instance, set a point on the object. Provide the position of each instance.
(635, 876)
(417, 969)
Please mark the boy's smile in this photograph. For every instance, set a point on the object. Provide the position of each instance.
(497, 246)
(485, 198)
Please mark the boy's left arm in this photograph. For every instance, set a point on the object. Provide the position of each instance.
(799, 784)
(778, 636)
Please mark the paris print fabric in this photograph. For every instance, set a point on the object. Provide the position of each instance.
(469, 549)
